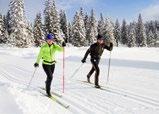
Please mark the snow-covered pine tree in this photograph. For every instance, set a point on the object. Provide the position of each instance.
(117, 32)
(78, 31)
(92, 32)
(124, 33)
(52, 21)
(3, 31)
(1, 28)
(86, 21)
(152, 26)
(6, 30)
(151, 39)
(131, 35)
(82, 12)
(18, 26)
(101, 25)
(140, 33)
(87, 27)
(38, 30)
(109, 31)
(157, 25)
(157, 38)
(30, 38)
(56, 22)
(157, 33)
(92, 35)
(47, 17)
(63, 24)
(7, 23)
(70, 38)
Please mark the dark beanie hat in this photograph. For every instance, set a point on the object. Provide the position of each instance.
(99, 37)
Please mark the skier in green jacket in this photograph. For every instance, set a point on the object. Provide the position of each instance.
(47, 54)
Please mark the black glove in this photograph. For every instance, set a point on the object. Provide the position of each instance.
(63, 44)
(66, 40)
(36, 65)
(83, 61)
(111, 46)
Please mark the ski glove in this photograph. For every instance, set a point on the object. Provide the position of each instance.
(36, 65)
(63, 44)
(83, 61)
(111, 46)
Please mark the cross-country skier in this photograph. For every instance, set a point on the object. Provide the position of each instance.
(96, 51)
(47, 54)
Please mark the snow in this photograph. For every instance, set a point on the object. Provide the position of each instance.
(7, 101)
(133, 86)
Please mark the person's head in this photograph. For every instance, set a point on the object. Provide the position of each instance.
(100, 39)
(50, 38)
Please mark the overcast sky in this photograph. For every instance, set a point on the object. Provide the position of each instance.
(121, 9)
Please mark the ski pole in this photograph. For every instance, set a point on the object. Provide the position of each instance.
(75, 72)
(63, 78)
(108, 69)
(31, 78)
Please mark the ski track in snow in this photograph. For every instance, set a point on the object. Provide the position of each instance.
(16, 70)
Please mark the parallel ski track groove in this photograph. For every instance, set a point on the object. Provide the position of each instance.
(129, 95)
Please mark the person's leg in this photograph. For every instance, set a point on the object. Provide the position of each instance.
(97, 71)
(52, 68)
(97, 75)
(52, 72)
(48, 71)
(91, 72)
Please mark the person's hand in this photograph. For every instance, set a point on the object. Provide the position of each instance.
(36, 65)
(111, 46)
(66, 40)
(83, 61)
(63, 44)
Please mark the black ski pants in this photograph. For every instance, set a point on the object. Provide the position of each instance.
(49, 70)
(95, 68)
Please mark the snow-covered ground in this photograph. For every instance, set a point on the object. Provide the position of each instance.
(133, 87)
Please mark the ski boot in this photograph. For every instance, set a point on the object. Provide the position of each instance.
(97, 86)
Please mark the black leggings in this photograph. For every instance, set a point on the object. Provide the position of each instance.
(95, 68)
(49, 70)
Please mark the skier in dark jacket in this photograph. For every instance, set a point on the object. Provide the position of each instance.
(96, 51)
(47, 54)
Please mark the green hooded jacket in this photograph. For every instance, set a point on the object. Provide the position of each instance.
(47, 53)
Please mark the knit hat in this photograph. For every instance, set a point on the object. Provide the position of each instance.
(50, 36)
(100, 37)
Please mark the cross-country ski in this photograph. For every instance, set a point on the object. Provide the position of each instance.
(54, 99)
(54, 93)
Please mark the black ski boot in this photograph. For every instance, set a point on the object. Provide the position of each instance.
(49, 94)
(97, 86)
(88, 79)
(48, 91)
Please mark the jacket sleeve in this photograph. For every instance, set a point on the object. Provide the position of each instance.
(86, 54)
(39, 56)
(58, 48)
(110, 48)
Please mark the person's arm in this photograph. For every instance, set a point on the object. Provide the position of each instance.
(58, 48)
(61, 42)
(39, 56)
(110, 48)
(85, 56)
